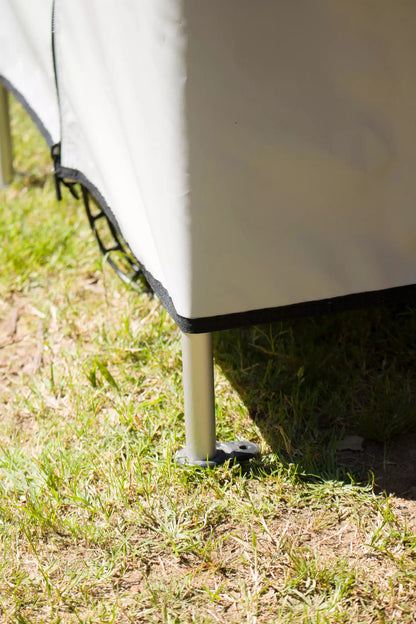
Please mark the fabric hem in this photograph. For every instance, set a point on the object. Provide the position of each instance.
(22, 100)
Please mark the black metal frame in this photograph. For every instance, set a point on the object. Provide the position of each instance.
(119, 245)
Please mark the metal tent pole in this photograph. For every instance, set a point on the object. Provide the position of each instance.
(199, 401)
(199, 398)
(6, 155)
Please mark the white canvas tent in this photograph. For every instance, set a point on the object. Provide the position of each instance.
(256, 155)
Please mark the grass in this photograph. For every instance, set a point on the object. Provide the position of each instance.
(97, 522)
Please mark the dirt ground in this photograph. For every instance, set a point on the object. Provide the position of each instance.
(393, 464)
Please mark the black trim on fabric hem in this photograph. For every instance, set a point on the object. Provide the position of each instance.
(398, 294)
(343, 303)
(77, 176)
(35, 118)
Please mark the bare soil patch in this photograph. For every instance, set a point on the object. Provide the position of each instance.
(392, 463)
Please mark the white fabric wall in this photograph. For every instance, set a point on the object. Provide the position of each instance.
(255, 153)
(302, 134)
(121, 79)
(26, 57)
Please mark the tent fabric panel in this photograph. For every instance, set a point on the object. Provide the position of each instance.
(26, 61)
(121, 82)
(300, 122)
(256, 156)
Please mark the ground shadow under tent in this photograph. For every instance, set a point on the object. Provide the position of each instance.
(313, 384)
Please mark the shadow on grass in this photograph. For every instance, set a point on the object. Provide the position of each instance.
(310, 383)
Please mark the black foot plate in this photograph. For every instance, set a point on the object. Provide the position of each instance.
(235, 451)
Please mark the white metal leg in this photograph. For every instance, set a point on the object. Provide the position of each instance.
(199, 397)
(6, 155)
(199, 400)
